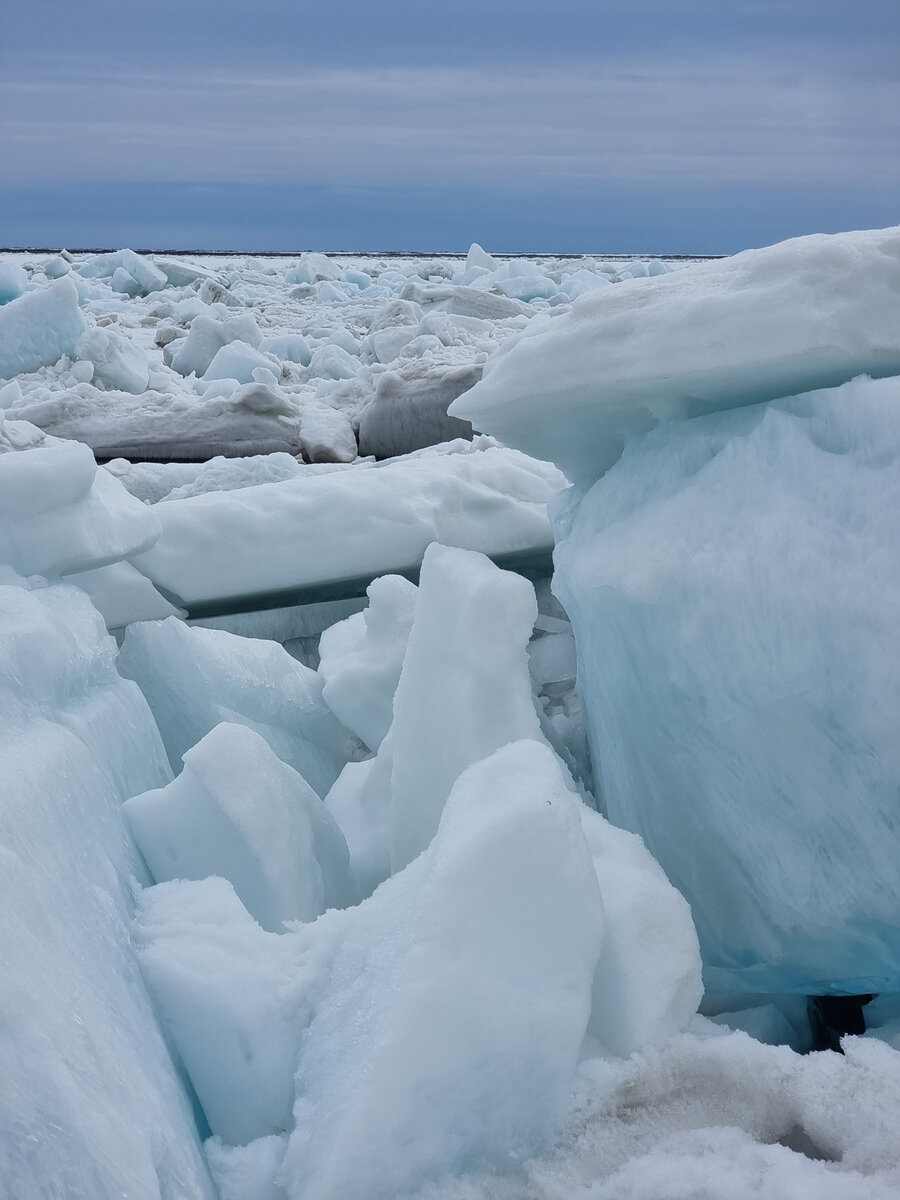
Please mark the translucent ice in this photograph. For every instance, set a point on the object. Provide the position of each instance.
(237, 811)
(91, 1103)
(39, 328)
(195, 678)
(733, 584)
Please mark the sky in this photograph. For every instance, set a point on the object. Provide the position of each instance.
(593, 126)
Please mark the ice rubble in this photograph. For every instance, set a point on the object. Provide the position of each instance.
(39, 327)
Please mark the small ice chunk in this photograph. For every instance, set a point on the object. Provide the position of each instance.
(237, 360)
(333, 362)
(326, 434)
(119, 363)
(237, 811)
(361, 658)
(289, 347)
(477, 257)
(13, 281)
(123, 281)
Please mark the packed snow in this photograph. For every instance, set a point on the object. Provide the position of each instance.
(503, 887)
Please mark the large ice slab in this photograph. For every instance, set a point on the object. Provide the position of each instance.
(808, 313)
(195, 678)
(91, 1103)
(733, 583)
(237, 811)
(39, 328)
(343, 525)
(449, 1036)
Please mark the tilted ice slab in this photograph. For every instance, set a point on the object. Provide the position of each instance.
(809, 313)
(91, 1103)
(733, 584)
(195, 678)
(39, 328)
(237, 811)
(434, 1028)
(344, 525)
(455, 687)
(60, 514)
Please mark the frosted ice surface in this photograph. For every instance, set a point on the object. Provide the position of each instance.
(39, 328)
(733, 585)
(238, 360)
(808, 313)
(234, 998)
(90, 1104)
(61, 514)
(13, 281)
(464, 689)
(118, 362)
(458, 997)
(361, 658)
(647, 985)
(237, 811)
(409, 411)
(346, 524)
(195, 678)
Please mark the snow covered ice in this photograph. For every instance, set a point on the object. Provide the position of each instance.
(425, 906)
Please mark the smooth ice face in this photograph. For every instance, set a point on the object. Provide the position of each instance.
(647, 986)
(91, 1103)
(195, 678)
(361, 658)
(733, 584)
(458, 998)
(39, 328)
(234, 999)
(237, 811)
(117, 362)
(809, 313)
(464, 690)
(343, 524)
(59, 514)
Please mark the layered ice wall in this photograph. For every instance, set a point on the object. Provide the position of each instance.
(733, 584)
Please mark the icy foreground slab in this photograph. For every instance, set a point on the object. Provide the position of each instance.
(459, 996)
(343, 525)
(237, 811)
(196, 678)
(733, 583)
(808, 313)
(90, 1102)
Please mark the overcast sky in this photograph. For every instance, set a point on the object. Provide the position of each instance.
(577, 125)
